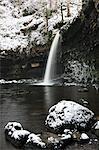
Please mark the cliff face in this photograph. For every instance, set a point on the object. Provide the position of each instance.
(81, 46)
(27, 28)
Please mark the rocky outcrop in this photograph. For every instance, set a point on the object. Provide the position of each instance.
(27, 29)
(80, 46)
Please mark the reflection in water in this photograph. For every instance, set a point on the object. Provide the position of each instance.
(49, 97)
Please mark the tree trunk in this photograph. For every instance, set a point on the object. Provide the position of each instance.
(68, 8)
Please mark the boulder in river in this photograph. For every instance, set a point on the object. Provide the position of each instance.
(70, 115)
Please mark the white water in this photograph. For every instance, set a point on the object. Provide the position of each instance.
(51, 63)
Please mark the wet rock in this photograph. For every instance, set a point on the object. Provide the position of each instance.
(95, 129)
(80, 137)
(34, 141)
(56, 141)
(76, 136)
(96, 5)
(83, 90)
(84, 102)
(69, 114)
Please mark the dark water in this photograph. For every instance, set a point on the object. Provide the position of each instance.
(29, 105)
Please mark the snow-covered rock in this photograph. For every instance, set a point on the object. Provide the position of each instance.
(84, 137)
(80, 137)
(19, 137)
(34, 140)
(15, 134)
(96, 126)
(11, 127)
(68, 131)
(20, 134)
(65, 137)
(54, 143)
(58, 141)
(95, 129)
(68, 114)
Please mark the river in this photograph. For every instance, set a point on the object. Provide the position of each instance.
(29, 104)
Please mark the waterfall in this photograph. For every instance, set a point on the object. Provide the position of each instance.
(51, 63)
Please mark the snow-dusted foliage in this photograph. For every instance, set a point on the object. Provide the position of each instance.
(68, 114)
(23, 22)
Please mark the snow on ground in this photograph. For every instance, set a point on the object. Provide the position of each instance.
(16, 16)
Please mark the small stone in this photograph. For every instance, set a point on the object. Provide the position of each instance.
(84, 136)
(66, 137)
(96, 140)
(67, 131)
(83, 90)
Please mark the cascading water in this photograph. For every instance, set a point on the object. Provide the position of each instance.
(51, 63)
